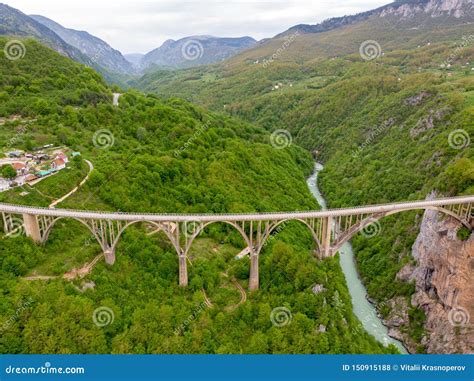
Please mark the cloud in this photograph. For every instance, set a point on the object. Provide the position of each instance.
(142, 25)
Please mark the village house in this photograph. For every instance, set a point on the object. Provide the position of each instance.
(15, 154)
(62, 156)
(58, 164)
(31, 177)
(20, 168)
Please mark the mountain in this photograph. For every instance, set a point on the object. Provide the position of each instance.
(15, 23)
(414, 11)
(195, 51)
(298, 52)
(93, 47)
(135, 59)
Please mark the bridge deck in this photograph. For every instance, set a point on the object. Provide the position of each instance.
(120, 216)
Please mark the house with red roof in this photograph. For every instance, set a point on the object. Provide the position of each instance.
(58, 164)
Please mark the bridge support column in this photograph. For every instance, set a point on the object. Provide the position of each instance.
(32, 230)
(183, 270)
(327, 230)
(109, 256)
(253, 281)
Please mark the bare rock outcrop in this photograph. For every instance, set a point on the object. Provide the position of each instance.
(444, 287)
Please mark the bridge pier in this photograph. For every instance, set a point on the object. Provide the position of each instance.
(32, 229)
(183, 270)
(109, 256)
(327, 231)
(254, 280)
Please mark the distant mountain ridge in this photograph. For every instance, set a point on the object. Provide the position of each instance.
(403, 9)
(135, 59)
(90, 50)
(196, 50)
(93, 47)
(15, 23)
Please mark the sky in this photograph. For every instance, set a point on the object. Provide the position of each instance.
(138, 26)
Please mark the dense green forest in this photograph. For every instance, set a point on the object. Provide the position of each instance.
(394, 128)
(159, 156)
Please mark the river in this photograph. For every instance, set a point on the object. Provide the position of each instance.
(363, 309)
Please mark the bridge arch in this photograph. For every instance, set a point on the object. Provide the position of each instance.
(202, 226)
(357, 228)
(49, 228)
(159, 226)
(105, 244)
(282, 222)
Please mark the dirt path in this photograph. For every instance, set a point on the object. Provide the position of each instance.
(40, 277)
(91, 168)
(243, 294)
(206, 299)
(70, 275)
(84, 270)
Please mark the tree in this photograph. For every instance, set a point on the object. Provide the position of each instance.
(8, 172)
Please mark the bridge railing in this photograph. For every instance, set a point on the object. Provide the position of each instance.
(182, 217)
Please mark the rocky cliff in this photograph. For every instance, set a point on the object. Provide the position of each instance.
(444, 288)
(416, 12)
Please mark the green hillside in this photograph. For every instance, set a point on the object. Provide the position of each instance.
(158, 156)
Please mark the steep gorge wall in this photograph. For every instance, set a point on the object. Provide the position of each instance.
(443, 276)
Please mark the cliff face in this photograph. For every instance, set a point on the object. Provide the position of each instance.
(444, 288)
(434, 8)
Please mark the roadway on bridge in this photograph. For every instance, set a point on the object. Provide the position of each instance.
(382, 208)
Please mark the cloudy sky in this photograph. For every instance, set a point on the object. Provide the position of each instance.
(138, 26)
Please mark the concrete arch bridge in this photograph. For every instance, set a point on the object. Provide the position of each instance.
(330, 229)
